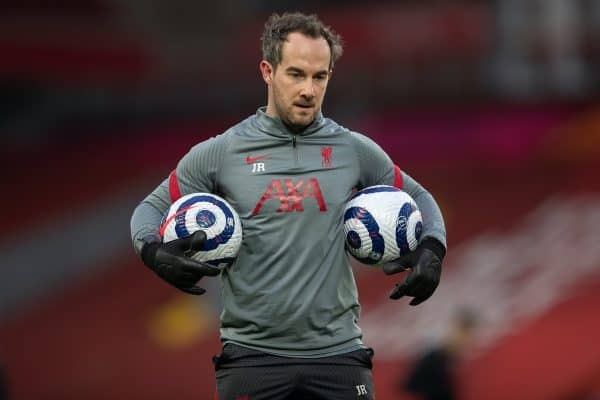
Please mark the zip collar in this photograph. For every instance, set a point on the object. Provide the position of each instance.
(276, 127)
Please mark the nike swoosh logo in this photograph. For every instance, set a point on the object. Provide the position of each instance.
(251, 160)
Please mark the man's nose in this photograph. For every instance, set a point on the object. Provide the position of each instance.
(308, 89)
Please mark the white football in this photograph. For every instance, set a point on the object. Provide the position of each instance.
(211, 214)
(381, 224)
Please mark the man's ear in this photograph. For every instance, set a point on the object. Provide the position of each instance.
(266, 70)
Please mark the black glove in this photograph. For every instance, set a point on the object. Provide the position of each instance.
(170, 262)
(425, 264)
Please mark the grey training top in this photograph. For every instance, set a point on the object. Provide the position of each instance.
(291, 291)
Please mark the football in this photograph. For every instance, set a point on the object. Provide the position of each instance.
(212, 214)
(381, 224)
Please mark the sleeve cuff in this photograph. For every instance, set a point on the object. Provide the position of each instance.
(434, 245)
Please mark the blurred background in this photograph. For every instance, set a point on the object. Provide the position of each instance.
(492, 105)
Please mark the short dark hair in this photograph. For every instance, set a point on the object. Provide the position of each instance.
(279, 26)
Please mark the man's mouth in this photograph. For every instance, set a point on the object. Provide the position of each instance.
(303, 105)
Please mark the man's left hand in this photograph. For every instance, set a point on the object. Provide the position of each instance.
(425, 265)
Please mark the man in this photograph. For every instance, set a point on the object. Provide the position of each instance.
(289, 321)
(432, 376)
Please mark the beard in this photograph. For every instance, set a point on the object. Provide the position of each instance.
(296, 127)
(286, 114)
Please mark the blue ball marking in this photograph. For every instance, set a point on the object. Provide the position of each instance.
(205, 219)
(222, 237)
(377, 241)
(418, 231)
(353, 240)
(190, 202)
(180, 229)
(401, 227)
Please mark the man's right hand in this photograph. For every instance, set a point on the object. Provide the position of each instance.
(170, 262)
